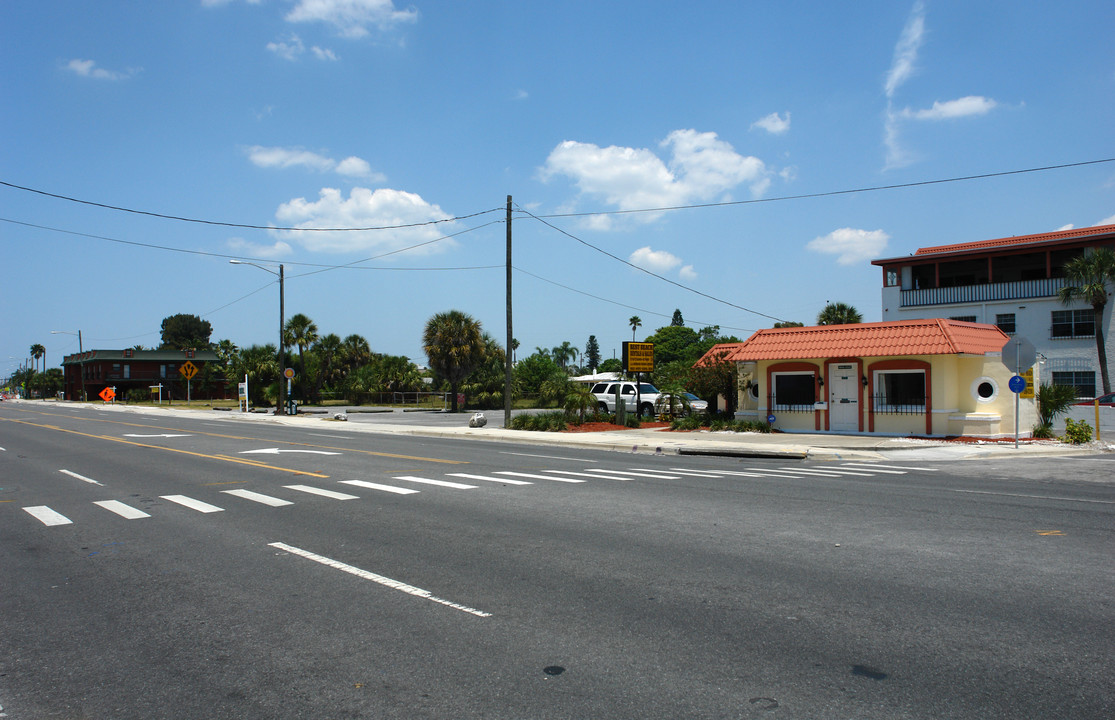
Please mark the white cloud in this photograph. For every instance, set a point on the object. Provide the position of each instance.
(289, 48)
(1106, 221)
(364, 208)
(688, 273)
(773, 124)
(352, 18)
(906, 51)
(254, 250)
(284, 157)
(1070, 226)
(851, 246)
(962, 107)
(89, 69)
(324, 53)
(658, 261)
(701, 167)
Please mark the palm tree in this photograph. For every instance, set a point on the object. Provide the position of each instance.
(1089, 275)
(302, 332)
(838, 313)
(454, 346)
(260, 365)
(328, 349)
(356, 351)
(634, 321)
(39, 352)
(563, 353)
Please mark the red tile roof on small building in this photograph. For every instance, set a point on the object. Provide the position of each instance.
(933, 336)
(1050, 238)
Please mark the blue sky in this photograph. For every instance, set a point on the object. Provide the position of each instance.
(368, 114)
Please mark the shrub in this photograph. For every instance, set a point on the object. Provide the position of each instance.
(1042, 431)
(1054, 400)
(543, 422)
(1077, 433)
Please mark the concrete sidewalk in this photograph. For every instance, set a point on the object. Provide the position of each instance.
(821, 446)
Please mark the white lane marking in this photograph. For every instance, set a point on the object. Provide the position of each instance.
(1034, 497)
(384, 488)
(651, 475)
(883, 471)
(548, 457)
(3, 449)
(761, 473)
(380, 579)
(892, 467)
(258, 497)
(321, 491)
(192, 504)
(696, 473)
(124, 511)
(80, 477)
(165, 435)
(537, 477)
(276, 451)
(47, 516)
(774, 472)
(830, 473)
(596, 475)
(509, 481)
(440, 483)
(335, 437)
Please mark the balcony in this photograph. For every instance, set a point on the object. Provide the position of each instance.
(987, 292)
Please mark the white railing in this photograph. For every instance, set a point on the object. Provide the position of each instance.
(1018, 290)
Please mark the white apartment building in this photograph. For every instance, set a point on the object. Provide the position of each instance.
(1012, 283)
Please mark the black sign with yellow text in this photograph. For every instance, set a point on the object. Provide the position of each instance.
(638, 357)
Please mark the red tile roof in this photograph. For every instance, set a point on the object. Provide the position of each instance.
(1050, 238)
(907, 337)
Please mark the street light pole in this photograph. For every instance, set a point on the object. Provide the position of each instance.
(81, 362)
(280, 409)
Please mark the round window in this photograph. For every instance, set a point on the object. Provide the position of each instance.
(985, 389)
(755, 390)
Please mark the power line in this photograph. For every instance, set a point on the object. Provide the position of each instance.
(616, 302)
(648, 272)
(245, 226)
(831, 193)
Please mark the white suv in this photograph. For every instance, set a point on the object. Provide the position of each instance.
(644, 394)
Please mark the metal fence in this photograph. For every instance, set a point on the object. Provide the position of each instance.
(909, 406)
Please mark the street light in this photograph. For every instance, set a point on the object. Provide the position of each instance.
(81, 362)
(280, 409)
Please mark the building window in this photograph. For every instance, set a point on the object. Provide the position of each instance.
(985, 389)
(794, 391)
(964, 318)
(127, 372)
(892, 277)
(1005, 322)
(1073, 324)
(1084, 382)
(900, 392)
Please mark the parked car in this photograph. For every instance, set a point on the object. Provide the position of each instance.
(1107, 400)
(698, 405)
(644, 394)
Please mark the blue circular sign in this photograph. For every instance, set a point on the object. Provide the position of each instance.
(770, 419)
(1017, 384)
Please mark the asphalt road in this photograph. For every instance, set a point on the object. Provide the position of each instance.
(588, 585)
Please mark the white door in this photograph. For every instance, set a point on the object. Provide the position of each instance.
(843, 398)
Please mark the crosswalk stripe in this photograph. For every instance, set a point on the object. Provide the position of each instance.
(884, 471)
(772, 472)
(537, 477)
(757, 473)
(651, 475)
(696, 473)
(439, 483)
(47, 516)
(832, 471)
(124, 511)
(258, 497)
(384, 488)
(192, 504)
(597, 475)
(891, 467)
(509, 481)
(322, 492)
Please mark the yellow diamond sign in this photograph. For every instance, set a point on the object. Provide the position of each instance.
(188, 370)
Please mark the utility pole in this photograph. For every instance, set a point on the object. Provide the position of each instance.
(510, 338)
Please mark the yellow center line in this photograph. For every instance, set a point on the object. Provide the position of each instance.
(245, 437)
(224, 458)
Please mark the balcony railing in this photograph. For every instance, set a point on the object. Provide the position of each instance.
(1018, 290)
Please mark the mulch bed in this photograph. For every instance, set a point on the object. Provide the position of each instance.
(603, 427)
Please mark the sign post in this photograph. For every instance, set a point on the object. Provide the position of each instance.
(188, 370)
(638, 357)
(288, 373)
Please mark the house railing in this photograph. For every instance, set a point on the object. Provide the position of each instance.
(1018, 290)
(912, 406)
